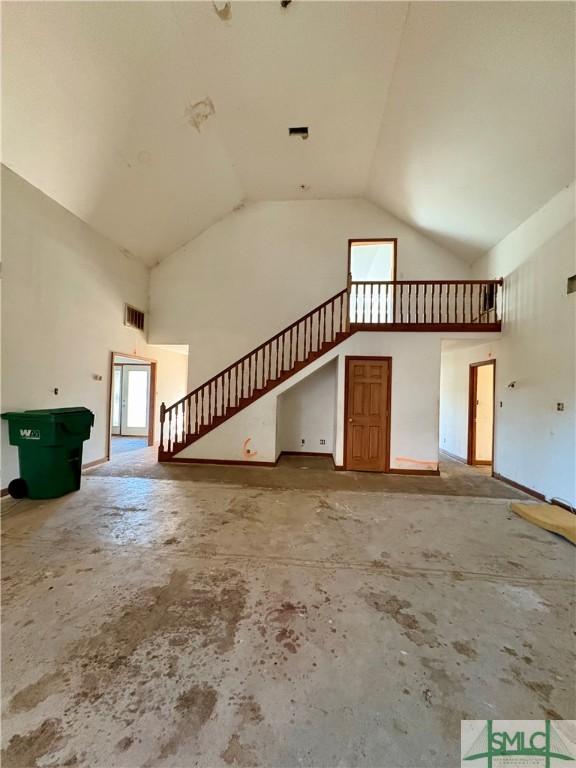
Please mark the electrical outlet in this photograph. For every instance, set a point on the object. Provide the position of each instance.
(322, 442)
(559, 406)
(302, 441)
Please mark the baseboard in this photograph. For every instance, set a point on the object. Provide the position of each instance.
(421, 472)
(519, 487)
(453, 456)
(482, 463)
(220, 462)
(95, 463)
(4, 492)
(240, 462)
(306, 453)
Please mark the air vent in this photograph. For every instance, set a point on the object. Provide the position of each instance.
(133, 317)
(301, 131)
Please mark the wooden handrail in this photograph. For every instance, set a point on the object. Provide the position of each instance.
(499, 281)
(430, 305)
(266, 343)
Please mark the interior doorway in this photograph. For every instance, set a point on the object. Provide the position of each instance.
(370, 262)
(481, 413)
(367, 413)
(132, 389)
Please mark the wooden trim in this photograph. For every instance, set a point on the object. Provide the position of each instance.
(560, 503)
(453, 456)
(232, 462)
(472, 392)
(95, 463)
(151, 397)
(4, 492)
(236, 462)
(368, 240)
(430, 327)
(324, 454)
(431, 472)
(518, 486)
(152, 404)
(347, 360)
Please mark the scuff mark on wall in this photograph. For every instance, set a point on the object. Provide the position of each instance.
(198, 113)
(222, 10)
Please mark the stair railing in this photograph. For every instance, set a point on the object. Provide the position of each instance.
(251, 375)
(426, 302)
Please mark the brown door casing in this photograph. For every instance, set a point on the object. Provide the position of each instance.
(472, 406)
(367, 413)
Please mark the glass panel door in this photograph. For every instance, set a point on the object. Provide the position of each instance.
(135, 399)
(116, 399)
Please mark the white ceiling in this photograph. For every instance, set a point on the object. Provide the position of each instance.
(456, 117)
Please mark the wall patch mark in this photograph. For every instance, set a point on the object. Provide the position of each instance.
(198, 113)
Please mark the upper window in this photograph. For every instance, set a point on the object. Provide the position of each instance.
(372, 260)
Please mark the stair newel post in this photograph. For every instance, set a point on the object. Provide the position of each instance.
(170, 430)
(162, 420)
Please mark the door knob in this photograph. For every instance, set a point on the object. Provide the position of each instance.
(350, 421)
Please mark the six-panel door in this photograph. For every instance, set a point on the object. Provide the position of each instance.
(367, 415)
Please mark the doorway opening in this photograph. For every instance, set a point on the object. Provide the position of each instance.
(371, 262)
(367, 413)
(132, 391)
(482, 381)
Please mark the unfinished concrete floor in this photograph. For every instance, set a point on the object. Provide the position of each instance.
(168, 623)
(313, 473)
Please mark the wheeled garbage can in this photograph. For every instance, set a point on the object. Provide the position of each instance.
(49, 449)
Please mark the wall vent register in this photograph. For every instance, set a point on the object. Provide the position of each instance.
(133, 317)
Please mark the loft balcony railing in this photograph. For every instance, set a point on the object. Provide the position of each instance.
(426, 305)
(406, 305)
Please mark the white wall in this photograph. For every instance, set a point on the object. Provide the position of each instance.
(454, 383)
(534, 442)
(264, 266)
(64, 288)
(415, 399)
(307, 411)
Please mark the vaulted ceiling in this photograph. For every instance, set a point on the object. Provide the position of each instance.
(150, 121)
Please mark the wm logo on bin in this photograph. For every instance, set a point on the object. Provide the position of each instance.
(30, 434)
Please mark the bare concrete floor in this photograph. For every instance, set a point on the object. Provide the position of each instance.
(313, 473)
(169, 623)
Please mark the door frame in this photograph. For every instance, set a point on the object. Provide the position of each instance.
(152, 396)
(472, 390)
(347, 360)
(360, 240)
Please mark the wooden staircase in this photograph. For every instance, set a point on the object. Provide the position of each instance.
(403, 305)
(253, 375)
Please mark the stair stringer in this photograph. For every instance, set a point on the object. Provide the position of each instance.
(256, 423)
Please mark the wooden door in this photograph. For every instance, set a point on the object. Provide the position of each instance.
(481, 412)
(367, 415)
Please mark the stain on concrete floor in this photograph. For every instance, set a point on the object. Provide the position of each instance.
(279, 628)
(313, 473)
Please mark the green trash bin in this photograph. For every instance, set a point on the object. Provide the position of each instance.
(49, 449)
